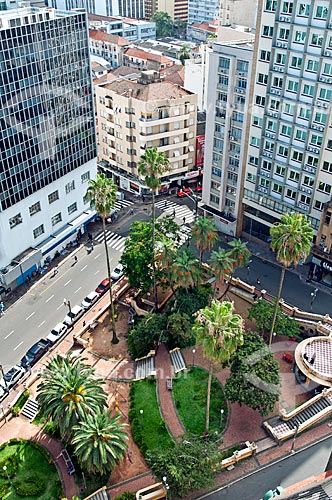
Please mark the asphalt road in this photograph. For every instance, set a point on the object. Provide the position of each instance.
(286, 472)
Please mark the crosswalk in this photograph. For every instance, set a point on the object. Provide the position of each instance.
(115, 241)
(181, 213)
(119, 204)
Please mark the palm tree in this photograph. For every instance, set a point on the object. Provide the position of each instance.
(205, 235)
(222, 265)
(187, 270)
(102, 195)
(184, 53)
(100, 442)
(291, 241)
(68, 392)
(166, 250)
(240, 254)
(152, 166)
(221, 332)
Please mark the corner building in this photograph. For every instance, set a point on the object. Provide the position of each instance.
(47, 135)
(289, 142)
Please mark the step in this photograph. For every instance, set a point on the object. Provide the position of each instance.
(30, 409)
(265, 444)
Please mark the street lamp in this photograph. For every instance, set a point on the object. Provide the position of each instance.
(195, 199)
(142, 417)
(3, 376)
(194, 350)
(221, 417)
(166, 485)
(297, 425)
(5, 469)
(67, 303)
(313, 296)
(3, 413)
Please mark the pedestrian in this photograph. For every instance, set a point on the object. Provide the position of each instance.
(75, 259)
(55, 270)
(143, 199)
(92, 245)
(90, 236)
(2, 309)
(131, 211)
(174, 212)
(165, 204)
(258, 281)
(184, 220)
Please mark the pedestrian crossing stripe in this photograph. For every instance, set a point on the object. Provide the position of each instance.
(181, 212)
(115, 241)
(119, 204)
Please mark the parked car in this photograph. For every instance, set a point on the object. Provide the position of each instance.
(75, 313)
(89, 300)
(117, 272)
(56, 333)
(35, 353)
(3, 393)
(12, 376)
(103, 286)
(198, 188)
(184, 191)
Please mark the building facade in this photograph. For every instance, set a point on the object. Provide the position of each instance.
(109, 47)
(47, 135)
(130, 29)
(177, 9)
(238, 13)
(144, 60)
(200, 11)
(125, 8)
(289, 149)
(133, 116)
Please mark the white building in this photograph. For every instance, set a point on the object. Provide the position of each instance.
(47, 136)
(109, 47)
(238, 12)
(130, 29)
(289, 145)
(200, 11)
(124, 8)
(230, 66)
(196, 74)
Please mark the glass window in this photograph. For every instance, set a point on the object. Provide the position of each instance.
(291, 194)
(38, 231)
(271, 5)
(35, 208)
(304, 9)
(301, 135)
(72, 208)
(85, 177)
(15, 221)
(277, 188)
(296, 62)
(312, 65)
(321, 12)
(308, 90)
(317, 39)
(56, 219)
(280, 170)
(53, 197)
(70, 186)
(300, 36)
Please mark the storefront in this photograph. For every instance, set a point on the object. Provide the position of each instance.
(321, 271)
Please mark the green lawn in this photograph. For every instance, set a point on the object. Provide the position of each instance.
(28, 467)
(189, 392)
(148, 426)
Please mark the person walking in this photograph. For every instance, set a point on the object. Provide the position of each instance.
(55, 270)
(131, 211)
(258, 281)
(75, 259)
(173, 212)
(2, 309)
(184, 220)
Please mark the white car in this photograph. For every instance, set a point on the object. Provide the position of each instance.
(57, 332)
(11, 377)
(89, 300)
(3, 393)
(75, 313)
(117, 272)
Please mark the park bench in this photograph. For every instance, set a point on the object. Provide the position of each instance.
(169, 383)
(68, 462)
(93, 325)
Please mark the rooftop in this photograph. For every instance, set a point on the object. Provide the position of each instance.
(234, 36)
(148, 56)
(313, 357)
(108, 38)
(150, 92)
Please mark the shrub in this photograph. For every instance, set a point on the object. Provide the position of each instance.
(126, 495)
(4, 487)
(30, 486)
(11, 463)
(20, 402)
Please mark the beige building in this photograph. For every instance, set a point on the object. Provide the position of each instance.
(109, 47)
(146, 113)
(177, 9)
(144, 60)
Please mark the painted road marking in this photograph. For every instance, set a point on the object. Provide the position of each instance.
(78, 289)
(41, 324)
(59, 307)
(50, 298)
(9, 334)
(18, 346)
(97, 272)
(83, 268)
(96, 257)
(67, 283)
(26, 319)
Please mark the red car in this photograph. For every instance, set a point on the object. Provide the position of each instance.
(198, 189)
(184, 191)
(103, 286)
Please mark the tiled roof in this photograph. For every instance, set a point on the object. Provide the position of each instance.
(151, 92)
(205, 26)
(142, 54)
(174, 74)
(106, 37)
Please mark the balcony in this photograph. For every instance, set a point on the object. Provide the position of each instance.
(169, 133)
(309, 168)
(146, 122)
(319, 252)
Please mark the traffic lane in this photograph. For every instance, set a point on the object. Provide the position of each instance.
(296, 467)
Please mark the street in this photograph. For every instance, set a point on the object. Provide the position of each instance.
(286, 472)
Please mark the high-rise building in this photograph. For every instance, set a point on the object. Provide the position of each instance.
(289, 141)
(177, 9)
(200, 11)
(124, 8)
(228, 90)
(238, 13)
(47, 135)
(147, 113)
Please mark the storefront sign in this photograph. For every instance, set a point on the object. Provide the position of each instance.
(134, 187)
(200, 147)
(194, 173)
(326, 266)
(224, 221)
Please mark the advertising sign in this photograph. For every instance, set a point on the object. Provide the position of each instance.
(200, 146)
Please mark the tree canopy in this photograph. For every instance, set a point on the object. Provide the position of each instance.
(262, 312)
(164, 24)
(254, 379)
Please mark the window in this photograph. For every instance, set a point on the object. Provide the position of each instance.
(262, 78)
(300, 36)
(277, 82)
(327, 70)
(305, 113)
(269, 146)
(271, 5)
(286, 130)
(251, 177)
(317, 40)
(131, 151)
(287, 7)
(260, 100)
(301, 135)
(255, 141)
(271, 125)
(308, 181)
(304, 10)
(14, 221)
(329, 144)
(294, 176)
(130, 111)
(72, 208)
(274, 104)
(280, 58)
(35, 208)
(224, 63)
(38, 231)
(277, 188)
(327, 167)
(56, 219)
(130, 125)
(283, 34)
(325, 94)
(280, 170)
(319, 205)
(53, 197)
(267, 165)
(326, 188)
(321, 12)
(296, 62)
(320, 118)
(308, 90)
(214, 199)
(257, 121)
(130, 138)
(316, 140)
(216, 171)
(297, 156)
(312, 65)
(305, 199)
(291, 194)
(267, 31)
(70, 187)
(283, 151)
(289, 109)
(264, 182)
(85, 177)
(311, 160)
(292, 86)
(253, 160)
(265, 55)
(85, 200)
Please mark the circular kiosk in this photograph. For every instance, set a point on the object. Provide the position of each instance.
(313, 358)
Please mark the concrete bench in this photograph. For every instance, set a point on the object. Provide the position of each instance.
(93, 325)
(169, 383)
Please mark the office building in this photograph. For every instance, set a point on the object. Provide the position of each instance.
(200, 11)
(177, 9)
(289, 142)
(146, 113)
(130, 29)
(47, 136)
(228, 87)
(124, 8)
(238, 13)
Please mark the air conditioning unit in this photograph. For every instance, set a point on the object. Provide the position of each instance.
(310, 149)
(318, 103)
(282, 18)
(329, 80)
(325, 105)
(232, 138)
(321, 129)
(278, 44)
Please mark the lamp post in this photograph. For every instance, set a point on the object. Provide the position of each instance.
(5, 469)
(297, 425)
(221, 417)
(194, 198)
(3, 376)
(313, 296)
(166, 485)
(194, 350)
(3, 413)
(67, 303)
(142, 417)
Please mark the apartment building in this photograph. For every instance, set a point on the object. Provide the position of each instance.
(177, 9)
(289, 150)
(144, 60)
(148, 112)
(228, 88)
(200, 32)
(238, 13)
(126, 8)
(47, 136)
(109, 47)
(130, 29)
(200, 11)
